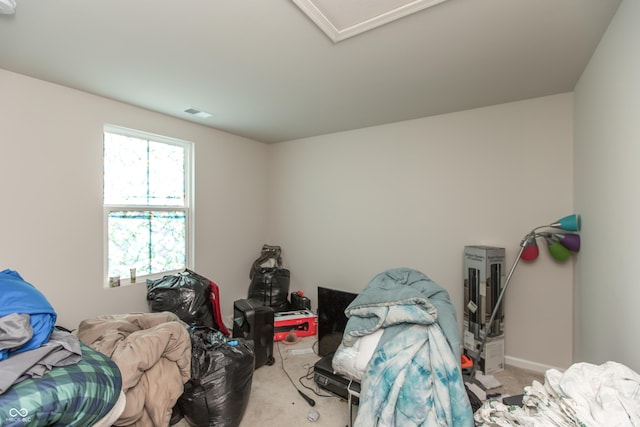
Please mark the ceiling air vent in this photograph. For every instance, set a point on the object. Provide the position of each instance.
(198, 113)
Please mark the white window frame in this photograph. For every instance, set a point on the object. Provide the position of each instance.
(189, 180)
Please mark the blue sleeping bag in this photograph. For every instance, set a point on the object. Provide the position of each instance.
(18, 296)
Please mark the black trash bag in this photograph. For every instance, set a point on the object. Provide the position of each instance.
(186, 294)
(221, 375)
(176, 415)
(270, 284)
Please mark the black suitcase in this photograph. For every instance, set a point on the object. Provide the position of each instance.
(254, 321)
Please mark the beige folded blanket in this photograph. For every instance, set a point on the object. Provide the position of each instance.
(153, 353)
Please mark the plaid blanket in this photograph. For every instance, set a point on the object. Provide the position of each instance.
(77, 395)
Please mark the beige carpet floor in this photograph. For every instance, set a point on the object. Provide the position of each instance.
(275, 402)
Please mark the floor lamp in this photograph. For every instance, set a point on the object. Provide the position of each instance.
(561, 243)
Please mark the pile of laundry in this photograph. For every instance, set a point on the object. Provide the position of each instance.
(47, 375)
(27, 322)
(585, 395)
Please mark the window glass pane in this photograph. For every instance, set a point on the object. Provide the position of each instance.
(150, 241)
(166, 174)
(141, 172)
(125, 170)
(168, 246)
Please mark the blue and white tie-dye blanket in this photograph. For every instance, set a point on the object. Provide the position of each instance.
(413, 378)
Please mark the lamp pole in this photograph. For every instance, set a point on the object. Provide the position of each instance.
(571, 244)
(478, 355)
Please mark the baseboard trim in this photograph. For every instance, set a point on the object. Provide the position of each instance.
(528, 365)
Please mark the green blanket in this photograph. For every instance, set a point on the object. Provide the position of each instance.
(76, 395)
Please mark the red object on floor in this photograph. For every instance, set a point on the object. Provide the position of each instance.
(466, 361)
(215, 304)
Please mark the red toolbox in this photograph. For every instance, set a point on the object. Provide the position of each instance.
(303, 322)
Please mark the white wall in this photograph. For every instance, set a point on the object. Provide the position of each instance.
(51, 187)
(349, 205)
(607, 185)
(344, 207)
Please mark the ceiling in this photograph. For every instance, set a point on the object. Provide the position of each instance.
(266, 71)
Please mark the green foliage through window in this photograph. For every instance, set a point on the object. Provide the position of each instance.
(146, 203)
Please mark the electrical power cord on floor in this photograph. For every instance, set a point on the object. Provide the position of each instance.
(310, 376)
(314, 345)
(309, 400)
(313, 414)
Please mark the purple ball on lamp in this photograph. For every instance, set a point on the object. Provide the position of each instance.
(570, 241)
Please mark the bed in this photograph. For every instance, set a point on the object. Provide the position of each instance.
(82, 394)
(402, 344)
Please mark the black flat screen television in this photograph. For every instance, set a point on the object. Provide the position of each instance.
(331, 318)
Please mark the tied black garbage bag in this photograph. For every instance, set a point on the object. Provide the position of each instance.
(221, 374)
(270, 285)
(269, 280)
(186, 294)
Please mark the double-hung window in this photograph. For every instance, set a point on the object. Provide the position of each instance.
(147, 204)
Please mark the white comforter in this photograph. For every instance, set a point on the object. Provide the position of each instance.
(585, 395)
(352, 362)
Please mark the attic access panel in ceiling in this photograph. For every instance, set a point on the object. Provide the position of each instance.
(341, 19)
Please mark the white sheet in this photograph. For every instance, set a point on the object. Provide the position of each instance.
(584, 395)
(351, 362)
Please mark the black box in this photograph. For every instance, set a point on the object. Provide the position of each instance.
(334, 383)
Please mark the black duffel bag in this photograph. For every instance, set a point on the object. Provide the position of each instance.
(221, 375)
(269, 280)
